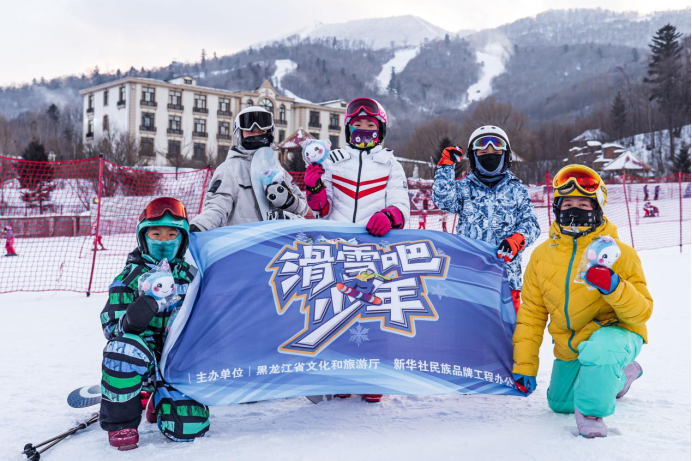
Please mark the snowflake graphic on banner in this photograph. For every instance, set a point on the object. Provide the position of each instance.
(339, 283)
(359, 334)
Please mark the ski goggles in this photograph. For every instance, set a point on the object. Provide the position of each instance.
(579, 177)
(369, 106)
(483, 142)
(260, 119)
(160, 206)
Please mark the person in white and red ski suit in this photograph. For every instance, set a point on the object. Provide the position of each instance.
(362, 182)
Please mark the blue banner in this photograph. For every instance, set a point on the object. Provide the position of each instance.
(305, 307)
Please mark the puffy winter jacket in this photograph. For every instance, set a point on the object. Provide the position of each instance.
(488, 214)
(360, 183)
(124, 291)
(575, 311)
(230, 199)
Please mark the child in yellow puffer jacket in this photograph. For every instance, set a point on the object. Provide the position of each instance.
(597, 332)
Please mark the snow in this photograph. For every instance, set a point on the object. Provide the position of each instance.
(398, 62)
(591, 135)
(626, 161)
(492, 60)
(647, 145)
(283, 68)
(51, 343)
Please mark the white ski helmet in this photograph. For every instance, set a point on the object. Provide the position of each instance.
(486, 130)
(249, 118)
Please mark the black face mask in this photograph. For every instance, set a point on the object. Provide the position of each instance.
(257, 142)
(577, 217)
(490, 162)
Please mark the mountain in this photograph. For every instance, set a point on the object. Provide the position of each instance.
(374, 33)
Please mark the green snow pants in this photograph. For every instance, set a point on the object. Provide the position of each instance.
(592, 381)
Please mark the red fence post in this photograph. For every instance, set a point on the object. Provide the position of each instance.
(98, 219)
(547, 196)
(680, 193)
(627, 205)
(204, 191)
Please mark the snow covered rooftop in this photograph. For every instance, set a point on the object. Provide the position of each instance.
(575, 149)
(295, 140)
(593, 143)
(600, 159)
(626, 161)
(612, 144)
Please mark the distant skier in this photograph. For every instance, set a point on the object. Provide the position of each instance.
(422, 219)
(136, 328)
(230, 198)
(646, 192)
(98, 239)
(363, 182)
(597, 333)
(657, 190)
(493, 205)
(650, 211)
(8, 235)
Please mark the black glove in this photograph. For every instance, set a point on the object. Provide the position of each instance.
(280, 195)
(139, 314)
(194, 228)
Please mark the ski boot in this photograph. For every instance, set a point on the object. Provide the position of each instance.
(124, 439)
(590, 427)
(372, 398)
(632, 372)
(149, 410)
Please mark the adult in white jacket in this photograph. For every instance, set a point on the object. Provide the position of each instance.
(363, 182)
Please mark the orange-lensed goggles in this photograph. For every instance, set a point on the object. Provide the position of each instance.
(158, 207)
(583, 178)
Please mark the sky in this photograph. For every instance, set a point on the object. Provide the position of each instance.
(51, 38)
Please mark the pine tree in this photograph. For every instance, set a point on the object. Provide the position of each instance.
(618, 115)
(447, 40)
(53, 113)
(391, 87)
(681, 162)
(36, 177)
(635, 55)
(664, 74)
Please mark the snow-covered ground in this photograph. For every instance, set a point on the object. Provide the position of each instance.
(492, 60)
(50, 343)
(398, 62)
(284, 67)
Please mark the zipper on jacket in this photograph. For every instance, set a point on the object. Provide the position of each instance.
(569, 274)
(355, 199)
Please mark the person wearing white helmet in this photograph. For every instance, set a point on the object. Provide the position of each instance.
(230, 199)
(492, 203)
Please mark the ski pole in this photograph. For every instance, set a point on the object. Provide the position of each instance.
(33, 454)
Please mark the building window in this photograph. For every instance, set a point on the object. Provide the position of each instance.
(282, 136)
(175, 100)
(334, 122)
(121, 96)
(146, 147)
(315, 119)
(282, 113)
(105, 97)
(224, 130)
(315, 135)
(90, 104)
(147, 122)
(267, 105)
(198, 151)
(148, 96)
(90, 128)
(173, 149)
(175, 124)
(200, 101)
(225, 105)
(335, 141)
(200, 127)
(188, 81)
(106, 123)
(249, 103)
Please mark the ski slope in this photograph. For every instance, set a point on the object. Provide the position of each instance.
(284, 67)
(492, 60)
(50, 343)
(398, 62)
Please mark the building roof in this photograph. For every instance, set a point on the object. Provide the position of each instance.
(593, 143)
(626, 161)
(600, 159)
(612, 144)
(296, 140)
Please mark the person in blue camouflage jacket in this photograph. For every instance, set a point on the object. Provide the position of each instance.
(492, 203)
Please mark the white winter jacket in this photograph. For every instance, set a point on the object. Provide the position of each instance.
(231, 200)
(359, 183)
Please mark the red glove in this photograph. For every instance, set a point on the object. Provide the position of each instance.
(383, 221)
(450, 156)
(510, 247)
(313, 176)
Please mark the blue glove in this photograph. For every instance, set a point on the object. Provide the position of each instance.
(603, 279)
(526, 384)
